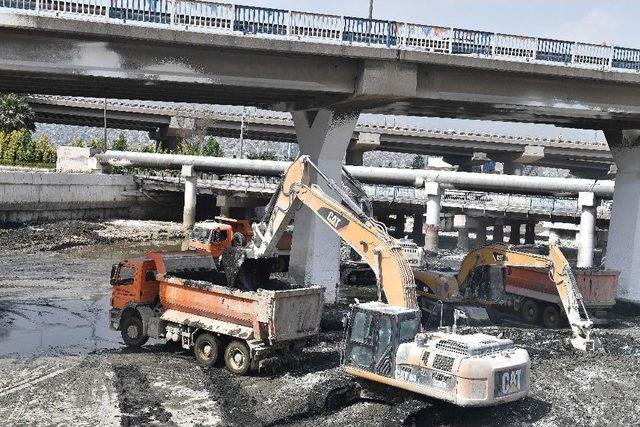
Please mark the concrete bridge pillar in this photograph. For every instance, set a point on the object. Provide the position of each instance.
(433, 191)
(190, 197)
(417, 234)
(623, 247)
(514, 235)
(498, 230)
(481, 233)
(586, 201)
(315, 254)
(463, 223)
(530, 233)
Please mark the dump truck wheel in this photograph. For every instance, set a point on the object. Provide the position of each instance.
(551, 316)
(207, 349)
(132, 333)
(530, 311)
(237, 358)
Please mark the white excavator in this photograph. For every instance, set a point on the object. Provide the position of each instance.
(384, 341)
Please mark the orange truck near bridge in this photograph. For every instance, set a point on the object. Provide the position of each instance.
(183, 297)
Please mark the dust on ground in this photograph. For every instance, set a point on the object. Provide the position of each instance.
(60, 364)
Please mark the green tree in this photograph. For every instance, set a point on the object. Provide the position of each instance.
(97, 143)
(16, 114)
(418, 162)
(264, 155)
(211, 148)
(78, 142)
(46, 151)
(148, 148)
(120, 143)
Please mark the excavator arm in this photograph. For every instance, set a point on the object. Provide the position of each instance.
(559, 272)
(366, 236)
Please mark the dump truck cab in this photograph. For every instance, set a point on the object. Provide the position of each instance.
(385, 344)
(133, 281)
(212, 237)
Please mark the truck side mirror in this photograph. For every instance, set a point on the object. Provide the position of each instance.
(114, 270)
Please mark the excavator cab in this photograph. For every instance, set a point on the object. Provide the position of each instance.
(374, 332)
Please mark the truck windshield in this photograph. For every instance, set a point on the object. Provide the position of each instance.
(200, 234)
(126, 275)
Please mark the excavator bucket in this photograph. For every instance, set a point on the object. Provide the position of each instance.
(587, 343)
(245, 273)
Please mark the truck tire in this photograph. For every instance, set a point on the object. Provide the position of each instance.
(551, 316)
(530, 311)
(131, 329)
(237, 357)
(207, 349)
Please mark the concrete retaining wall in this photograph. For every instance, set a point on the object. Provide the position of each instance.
(34, 196)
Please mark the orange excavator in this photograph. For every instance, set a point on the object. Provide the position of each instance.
(384, 340)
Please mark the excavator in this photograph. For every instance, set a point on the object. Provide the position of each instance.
(384, 341)
(440, 287)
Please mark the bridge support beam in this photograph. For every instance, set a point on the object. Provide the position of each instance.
(433, 191)
(530, 233)
(418, 235)
(323, 135)
(498, 230)
(481, 233)
(514, 235)
(623, 248)
(586, 201)
(190, 197)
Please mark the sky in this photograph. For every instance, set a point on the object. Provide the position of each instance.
(612, 21)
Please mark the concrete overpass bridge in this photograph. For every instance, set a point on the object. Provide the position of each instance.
(170, 121)
(326, 70)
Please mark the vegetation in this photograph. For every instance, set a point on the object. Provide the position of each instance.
(210, 147)
(418, 162)
(120, 143)
(20, 148)
(16, 115)
(265, 155)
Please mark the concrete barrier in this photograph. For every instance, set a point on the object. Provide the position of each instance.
(35, 196)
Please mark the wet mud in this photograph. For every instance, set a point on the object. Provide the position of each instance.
(61, 365)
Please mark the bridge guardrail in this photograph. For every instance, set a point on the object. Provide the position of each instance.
(197, 15)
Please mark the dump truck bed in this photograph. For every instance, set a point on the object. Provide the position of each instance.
(272, 315)
(598, 287)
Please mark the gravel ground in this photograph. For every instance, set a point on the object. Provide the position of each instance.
(60, 364)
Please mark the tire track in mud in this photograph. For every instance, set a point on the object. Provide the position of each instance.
(233, 400)
(138, 403)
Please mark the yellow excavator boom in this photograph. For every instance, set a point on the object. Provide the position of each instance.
(366, 236)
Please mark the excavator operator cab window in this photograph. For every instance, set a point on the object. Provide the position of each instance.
(408, 328)
(370, 342)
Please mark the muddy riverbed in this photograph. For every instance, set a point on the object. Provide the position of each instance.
(61, 365)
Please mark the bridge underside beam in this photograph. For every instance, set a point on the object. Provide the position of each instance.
(57, 56)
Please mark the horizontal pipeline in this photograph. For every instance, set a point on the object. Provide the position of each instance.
(373, 175)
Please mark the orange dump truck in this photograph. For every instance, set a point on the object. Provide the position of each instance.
(539, 300)
(178, 296)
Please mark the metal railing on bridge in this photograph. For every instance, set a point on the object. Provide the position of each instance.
(193, 15)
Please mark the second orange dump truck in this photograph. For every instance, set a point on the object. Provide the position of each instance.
(178, 296)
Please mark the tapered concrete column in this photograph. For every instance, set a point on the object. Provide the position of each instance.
(190, 197)
(417, 234)
(530, 233)
(433, 191)
(481, 233)
(315, 254)
(623, 247)
(399, 225)
(463, 223)
(586, 201)
(498, 230)
(514, 235)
